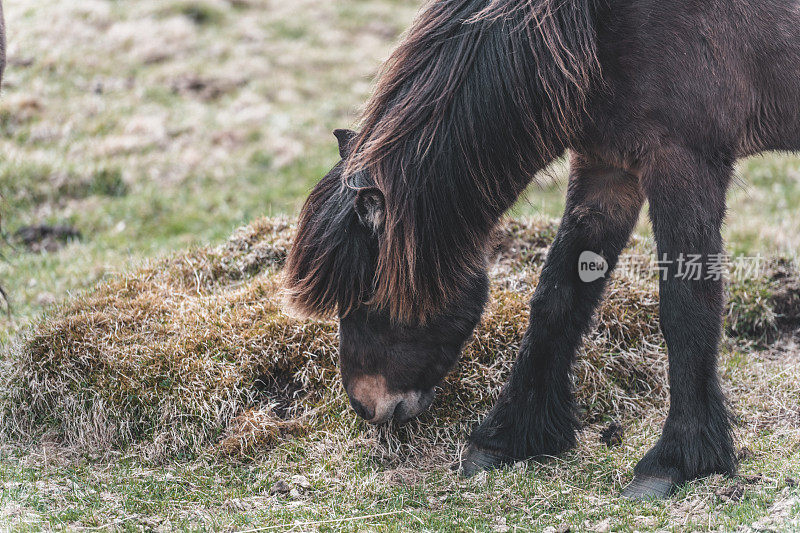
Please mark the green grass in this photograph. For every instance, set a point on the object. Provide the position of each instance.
(577, 490)
(101, 130)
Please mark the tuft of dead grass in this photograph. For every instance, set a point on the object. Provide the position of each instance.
(168, 356)
(193, 354)
(766, 307)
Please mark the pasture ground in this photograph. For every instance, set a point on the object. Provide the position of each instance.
(155, 126)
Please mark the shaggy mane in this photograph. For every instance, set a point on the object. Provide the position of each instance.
(478, 98)
(328, 266)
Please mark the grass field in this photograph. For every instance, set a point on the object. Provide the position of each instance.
(159, 125)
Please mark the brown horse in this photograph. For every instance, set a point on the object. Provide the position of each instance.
(654, 99)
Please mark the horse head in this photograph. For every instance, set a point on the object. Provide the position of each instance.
(389, 366)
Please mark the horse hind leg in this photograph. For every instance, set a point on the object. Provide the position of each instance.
(535, 414)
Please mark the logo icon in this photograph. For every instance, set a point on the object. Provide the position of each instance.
(592, 266)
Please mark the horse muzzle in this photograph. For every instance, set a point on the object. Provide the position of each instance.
(374, 402)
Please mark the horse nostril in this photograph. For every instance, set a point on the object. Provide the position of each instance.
(398, 413)
(361, 410)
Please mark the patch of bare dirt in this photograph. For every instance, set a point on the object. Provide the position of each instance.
(44, 238)
(207, 89)
(612, 435)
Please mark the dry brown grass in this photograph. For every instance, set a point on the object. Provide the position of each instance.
(192, 354)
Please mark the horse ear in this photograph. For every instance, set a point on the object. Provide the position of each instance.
(371, 208)
(345, 138)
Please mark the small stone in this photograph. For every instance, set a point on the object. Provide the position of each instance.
(280, 487)
(602, 527)
(237, 504)
(501, 525)
(649, 522)
(294, 494)
(301, 481)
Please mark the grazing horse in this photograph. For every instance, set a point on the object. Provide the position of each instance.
(654, 100)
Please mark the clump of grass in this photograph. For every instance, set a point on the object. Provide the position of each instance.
(107, 181)
(167, 356)
(765, 306)
(750, 313)
(255, 430)
(193, 353)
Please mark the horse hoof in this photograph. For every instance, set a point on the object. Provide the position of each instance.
(477, 460)
(648, 488)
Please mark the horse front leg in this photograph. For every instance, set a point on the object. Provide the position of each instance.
(535, 414)
(687, 208)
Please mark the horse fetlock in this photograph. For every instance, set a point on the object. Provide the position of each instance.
(684, 453)
(524, 433)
